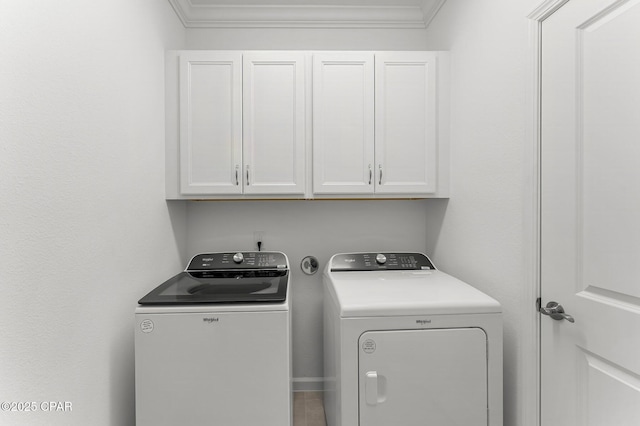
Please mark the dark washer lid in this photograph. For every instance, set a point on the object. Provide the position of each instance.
(247, 277)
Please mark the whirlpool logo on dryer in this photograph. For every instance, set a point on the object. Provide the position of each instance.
(211, 320)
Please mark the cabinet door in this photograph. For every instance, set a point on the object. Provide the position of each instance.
(423, 377)
(210, 123)
(343, 90)
(405, 129)
(274, 123)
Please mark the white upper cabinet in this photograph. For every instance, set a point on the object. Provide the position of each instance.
(210, 123)
(274, 123)
(343, 123)
(242, 124)
(406, 138)
(287, 124)
(375, 129)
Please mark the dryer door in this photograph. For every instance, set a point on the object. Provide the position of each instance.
(423, 377)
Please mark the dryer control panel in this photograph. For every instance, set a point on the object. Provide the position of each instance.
(346, 262)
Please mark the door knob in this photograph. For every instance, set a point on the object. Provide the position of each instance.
(555, 311)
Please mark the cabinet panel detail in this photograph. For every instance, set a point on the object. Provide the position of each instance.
(343, 113)
(210, 123)
(274, 123)
(405, 123)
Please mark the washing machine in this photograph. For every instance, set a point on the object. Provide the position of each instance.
(406, 344)
(213, 344)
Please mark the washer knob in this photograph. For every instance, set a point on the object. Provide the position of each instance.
(238, 257)
(381, 259)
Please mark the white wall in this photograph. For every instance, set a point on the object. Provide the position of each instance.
(479, 234)
(84, 228)
(306, 39)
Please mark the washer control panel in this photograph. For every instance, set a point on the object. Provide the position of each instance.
(238, 260)
(380, 262)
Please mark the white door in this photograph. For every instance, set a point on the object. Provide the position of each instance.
(423, 377)
(343, 113)
(210, 123)
(591, 213)
(274, 123)
(405, 122)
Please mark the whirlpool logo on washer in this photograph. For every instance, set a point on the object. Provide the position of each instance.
(211, 320)
(423, 321)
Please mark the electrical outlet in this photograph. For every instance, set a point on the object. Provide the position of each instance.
(258, 237)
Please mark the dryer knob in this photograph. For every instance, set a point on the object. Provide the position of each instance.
(381, 259)
(238, 257)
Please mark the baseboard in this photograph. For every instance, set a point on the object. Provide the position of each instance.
(306, 384)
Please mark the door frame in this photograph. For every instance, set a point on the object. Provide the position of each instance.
(530, 357)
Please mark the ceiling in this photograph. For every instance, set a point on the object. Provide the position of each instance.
(306, 13)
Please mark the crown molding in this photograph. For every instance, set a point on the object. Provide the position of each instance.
(302, 16)
(430, 10)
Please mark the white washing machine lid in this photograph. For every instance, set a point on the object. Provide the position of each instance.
(403, 293)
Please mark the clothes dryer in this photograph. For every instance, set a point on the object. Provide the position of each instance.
(407, 344)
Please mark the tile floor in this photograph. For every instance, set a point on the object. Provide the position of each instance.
(308, 409)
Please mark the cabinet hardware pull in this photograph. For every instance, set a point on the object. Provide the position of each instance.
(247, 175)
(237, 181)
(370, 174)
(380, 181)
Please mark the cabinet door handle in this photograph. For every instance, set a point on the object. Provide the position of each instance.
(370, 174)
(237, 181)
(247, 175)
(380, 180)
